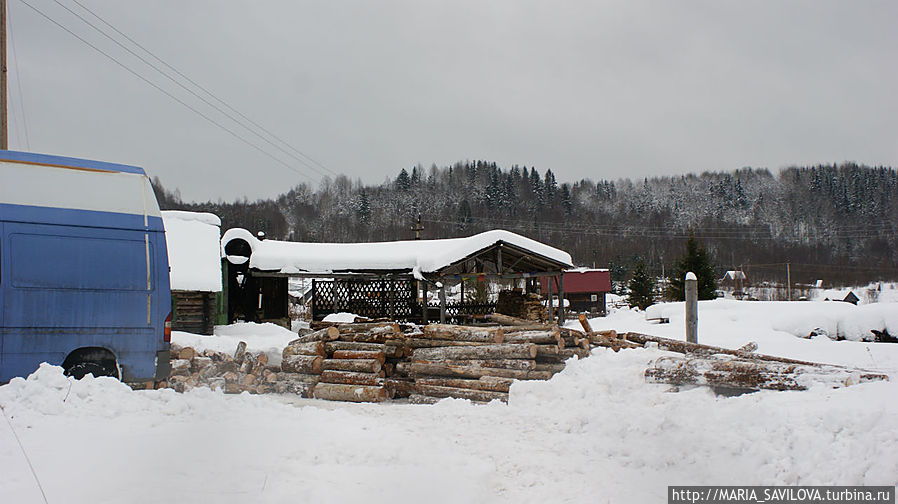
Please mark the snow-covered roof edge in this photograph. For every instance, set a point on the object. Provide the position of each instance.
(425, 256)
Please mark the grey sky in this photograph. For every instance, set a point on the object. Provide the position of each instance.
(586, 88)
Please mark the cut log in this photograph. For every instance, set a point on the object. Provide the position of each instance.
(508, 320)
(463, 333)
(262, 359)
(402, 368)
(749, 347)
(354, 365)
(548, 351)
(532, 327)
(295, 386)
(519, 364)
(423, 399)
(310, 348)
(381, 337)
(747, 375)
(397, 388)
(498, 351)
(427, 369)
(359, 354)
(187, 353)
(351, 378)
(325, 334)
(351, 393)
(699, 349)
(585, 323)
(550, 367)
(461, 393)
(416, 342)
(491, 383)
(239, 353)
(390, 349)
(310, 364)
(539, 337)
(374, 327)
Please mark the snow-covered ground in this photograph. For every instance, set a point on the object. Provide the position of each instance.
(594, 433)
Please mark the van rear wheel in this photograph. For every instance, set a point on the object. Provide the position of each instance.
(82, 369)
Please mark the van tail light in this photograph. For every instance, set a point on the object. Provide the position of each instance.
(167, 333)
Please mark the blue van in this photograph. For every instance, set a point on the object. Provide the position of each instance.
(84, 277)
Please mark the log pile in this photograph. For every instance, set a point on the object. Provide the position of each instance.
(480, 363)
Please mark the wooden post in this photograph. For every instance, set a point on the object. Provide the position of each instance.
(789, 282)
(311, 315)
(549, 306)
(442, 303)
(423, 302)
(691, 308)
(561, 299)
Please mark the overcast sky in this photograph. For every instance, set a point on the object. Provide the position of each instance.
(590, 89)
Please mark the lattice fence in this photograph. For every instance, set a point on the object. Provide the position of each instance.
(369, 298)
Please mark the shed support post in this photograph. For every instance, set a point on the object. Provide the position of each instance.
(561, 299)
(423, 302)
(442, 303)
(549, 305)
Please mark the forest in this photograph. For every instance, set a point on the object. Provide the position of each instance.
(837, 222)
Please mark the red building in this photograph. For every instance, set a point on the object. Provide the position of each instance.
(584, 289)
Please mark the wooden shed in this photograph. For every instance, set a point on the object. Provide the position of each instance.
(584, 289)
(194, 255)
(381, 279)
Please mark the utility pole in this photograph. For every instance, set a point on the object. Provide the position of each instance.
(417, 228)
(4, 98)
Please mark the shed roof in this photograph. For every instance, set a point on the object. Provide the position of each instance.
(412, 256)
(193, 250)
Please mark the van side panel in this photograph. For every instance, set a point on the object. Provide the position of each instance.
(83, 263)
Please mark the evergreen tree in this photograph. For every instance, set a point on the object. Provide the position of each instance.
(641, 287)
(403, 181)
(697, 261)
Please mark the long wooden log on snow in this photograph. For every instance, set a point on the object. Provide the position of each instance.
(310, 348)
(518, 364)
(355, 365)
(491, 383)
(326, 334)
(381, 337)
(461, 393)
(752, 375)
(463, 333)
(539, 337)
(426, 369)
(498, 351)
(360, 354)
(352, 378)
(309, 364)
(684, 347)
(351, 393)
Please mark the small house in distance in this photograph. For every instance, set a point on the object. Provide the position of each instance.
(734, 282)
(584, 289)
(194, 256)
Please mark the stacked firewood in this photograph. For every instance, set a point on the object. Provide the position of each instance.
(480, 363)
(242, 371)
(355, 362)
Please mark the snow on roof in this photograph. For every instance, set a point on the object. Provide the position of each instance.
(419, 256)
(584, 270)
(734, 275)
(194, 250)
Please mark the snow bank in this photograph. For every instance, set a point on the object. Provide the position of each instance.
(268, 338)
(556, 441)
(194, 250)
(341, 317)
(422, 255)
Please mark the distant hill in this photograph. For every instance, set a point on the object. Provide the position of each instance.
(834, 222)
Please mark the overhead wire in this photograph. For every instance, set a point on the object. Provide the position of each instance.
(167, 93)
(183, 86)
(204, 89)
(15, 56)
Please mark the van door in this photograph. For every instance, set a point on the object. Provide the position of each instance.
(3, 273)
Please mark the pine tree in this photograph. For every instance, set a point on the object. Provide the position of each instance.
(697, 261)
(641, 287)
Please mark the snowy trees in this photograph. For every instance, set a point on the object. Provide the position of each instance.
(841, 215)
(641, 287)
(696, 260)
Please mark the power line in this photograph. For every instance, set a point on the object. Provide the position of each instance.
(170, 95)
(15, 57)
(205, 90)
(169, 77)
